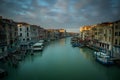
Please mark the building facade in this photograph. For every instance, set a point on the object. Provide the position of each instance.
(9, 40)
(116, 39)
(24, 35)
(104, 36)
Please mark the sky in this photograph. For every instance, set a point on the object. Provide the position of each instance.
(67, 14)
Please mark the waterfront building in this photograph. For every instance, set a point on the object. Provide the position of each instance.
(104, 36)
(30, 34)
(42, 33)
(51, 34)
(100, 36)
(9, 40)
(62, 33)
(24, 34)
(34, 33)
(86, 32)
(56, 33)
(116, 39)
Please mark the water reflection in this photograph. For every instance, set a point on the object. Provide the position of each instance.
(62, 42)
(87, 53)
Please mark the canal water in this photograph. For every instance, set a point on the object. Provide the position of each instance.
(60, 61)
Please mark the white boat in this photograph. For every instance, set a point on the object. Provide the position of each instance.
(103, 58)
(41, 41)
(37, 46)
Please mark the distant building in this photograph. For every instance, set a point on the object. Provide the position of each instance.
(42, 33)
(56, 33)
(85, 32)
(34, 33)
(62, 33)
(51, 34)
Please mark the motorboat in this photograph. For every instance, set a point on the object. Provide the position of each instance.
(37, 46)
(103, 58)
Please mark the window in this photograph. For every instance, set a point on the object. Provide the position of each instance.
(27, 34)
(95, 33)
(28, 39)
(107, 46)
(116, 33)
(23, 39)
(115, 41)
(20, 29)
(100, 44)
(116, 27)
(20, 34)
(27, 28)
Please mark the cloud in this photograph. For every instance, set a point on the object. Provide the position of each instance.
(61, 13)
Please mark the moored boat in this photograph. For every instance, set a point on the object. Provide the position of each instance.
(103, 58)
(37, 47)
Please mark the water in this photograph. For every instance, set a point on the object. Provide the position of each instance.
(60, 61)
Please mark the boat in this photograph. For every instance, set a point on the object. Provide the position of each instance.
(77, 42)
(103, 58)
(37, 47)
(77, 45)
(74, 39)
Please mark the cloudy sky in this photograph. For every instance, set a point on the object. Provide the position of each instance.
(68, 14)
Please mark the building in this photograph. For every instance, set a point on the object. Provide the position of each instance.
(42, 33)
(9, 40)
(34, 33)
(62, 33)
(100, 36)
(51, 34)
(116, 39)
(103, 35)
(85, 32)
(30, 34)
(24, 34)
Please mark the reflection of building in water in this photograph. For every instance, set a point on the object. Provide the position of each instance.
(85, 53)
(62, 41)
